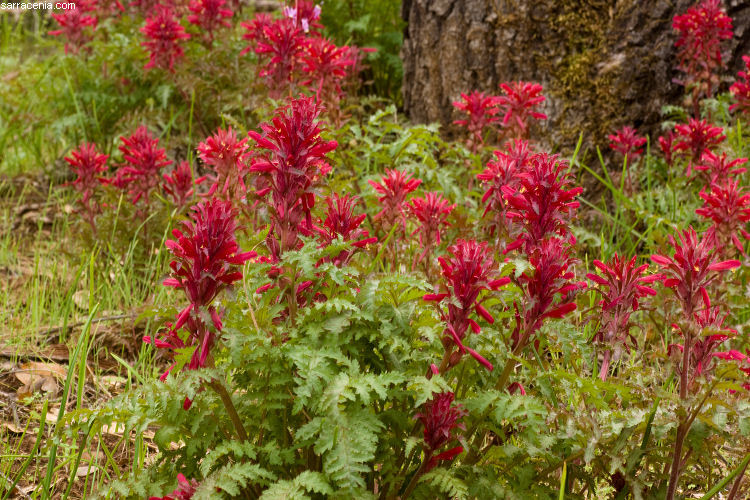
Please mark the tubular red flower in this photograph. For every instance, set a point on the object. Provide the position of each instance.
(179, 186)
(440, 419)
(291, 158)
(544, 201)
(143, 161)
(227, 156)
(620, 284)
(695, 138)
(482, 111)
(627, 142)
(395, 186)
(432, 213)
(727, 205)
(77, 25)
(718, 169)
(281, 46)
(210, 15)
(163, 33)
(520, 103)
(341, 221)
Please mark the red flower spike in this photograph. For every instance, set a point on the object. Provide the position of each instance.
(227, 156)
(695, 138)
(548, 278)
(544, 201)
(465, 275)
(688, 273)
(520, 103)
(185, 489)
(728, 207)
(87, 163)
(179, 185)
(666, 144)
(206, 261)
(341, 221)
(620, 284)
(743, 360)
(394, 187)
(77, 25)
(440, 419)
(304, 14)
(740, 89)
(280, 47)
(291, 159)
(482, 111)
(700, 33)
(163, 34)
(627, 142)
(327, 66)
(432, 213)
(144, 159)
(255, 29)
(718, 169)
(210, 15)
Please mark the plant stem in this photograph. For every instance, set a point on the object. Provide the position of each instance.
(684, 426)
(415, 478)
(219, 388)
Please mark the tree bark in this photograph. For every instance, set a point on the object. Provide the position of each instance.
(603, 63)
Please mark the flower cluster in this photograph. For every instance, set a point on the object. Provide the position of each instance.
(718, 168)
(227, 156)
(465, 275)
(727, 205)
(519, 104)
(341, 222)
(393, 188)
(621, 284)
(482, 112)
(305, 14)
(76, 25)
(209, 15)
(179, 184)
(163, 34)
(695, 138)
(740, 89)
(143, 160)
(87, 163)
(627, 142)
(440, 419)
(432, 213)
(184, 491)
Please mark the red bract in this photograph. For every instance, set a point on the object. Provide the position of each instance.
(281, 46)
(291, 158)
(620, 284)
(185, 489)
(140, 174)
(503, 171)
(179, 186)
(544, 201)
(394, 187)
(718, 169)
(432, 212)
(304, 14)
(700, 32)
(743, 360)
(227, 156)
(209, 15)
(727, 205)
(76, 25)
(255, 29)
(341, 221)
(520, 103)
(740, 89)
(697, 137)
(440, 419)
(666, 144)
(327, 67)
(547, 289)
(627, 142)
(163, 34)
(206, 261)
(482, 110)
(87, 164)
(692, 268)
(466, 274)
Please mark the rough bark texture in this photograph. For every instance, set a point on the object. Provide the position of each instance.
(603, 63)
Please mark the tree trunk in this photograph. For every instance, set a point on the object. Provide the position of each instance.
(603, 63)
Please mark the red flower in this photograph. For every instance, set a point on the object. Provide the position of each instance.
(209, 15)
(502, 172)
(743, 360)
(697, 137)
(465, 274)
(140, 174)
(87, 164)
(179, 185)
(718, 169)
(482, 110)
(544, 201)
(519, 104)
(740, 89)
(627, 142)
(163, 34)
(440, 420)
(549, 278)
(185, 489)
(432, 212)
(690, 271)
(620, 285)
(304, 14)
(291, 157)
(727, 205)
(327, 67)
(281, 47)
(227, 156)
(341, 221)
(700, 32)
(394, 188)
(74, 25)
(666, 144)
